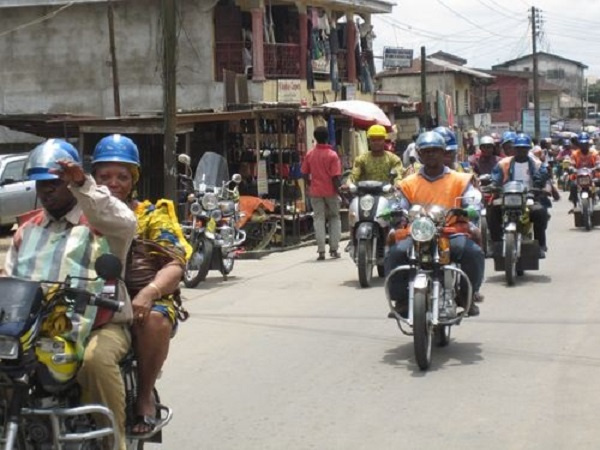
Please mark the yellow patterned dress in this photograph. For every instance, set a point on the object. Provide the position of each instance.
(158, 224)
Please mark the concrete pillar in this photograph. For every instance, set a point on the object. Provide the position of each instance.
(303, 24)
(258, 50)
(350, 44)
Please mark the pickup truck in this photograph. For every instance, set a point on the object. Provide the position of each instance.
(17, 194)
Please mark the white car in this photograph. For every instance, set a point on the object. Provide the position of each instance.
(17, 194)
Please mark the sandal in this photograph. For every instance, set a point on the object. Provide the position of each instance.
(149, 422)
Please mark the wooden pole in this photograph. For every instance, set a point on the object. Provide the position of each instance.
(169, 12)
(113, 58)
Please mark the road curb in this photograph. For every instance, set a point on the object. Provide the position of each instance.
(262, 253)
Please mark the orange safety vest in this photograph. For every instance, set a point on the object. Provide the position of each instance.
(444, 191)
(581, 161)
(505, 164)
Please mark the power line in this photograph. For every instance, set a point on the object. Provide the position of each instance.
(497, 11)
(466, 19)
(38, 20)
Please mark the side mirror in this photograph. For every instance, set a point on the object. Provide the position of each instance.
(7, 181)
(184, 159)
(108, 267)
(236, 178)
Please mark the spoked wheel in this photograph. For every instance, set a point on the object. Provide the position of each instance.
(198, 266)
(365, 262)
(422, 331)
(442, 335)
(510, 259)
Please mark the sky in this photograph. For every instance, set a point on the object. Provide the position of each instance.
(488, 32)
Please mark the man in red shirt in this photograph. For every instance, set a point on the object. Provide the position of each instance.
(322, 170)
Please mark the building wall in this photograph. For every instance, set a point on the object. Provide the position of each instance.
(513, 98)
(63, 65)
(572, 78)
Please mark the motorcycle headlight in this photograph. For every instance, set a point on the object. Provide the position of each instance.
(196, 208)
(513, 200)
(367, 202)
(9, 347)
(422, 229)
(210, 201)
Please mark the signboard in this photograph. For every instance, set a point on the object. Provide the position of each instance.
(289, 91)
(348, 92)
(262, 182)
(528, 122)
(397, 58)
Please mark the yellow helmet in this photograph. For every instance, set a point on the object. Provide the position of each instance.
(377, 131)
(60, 369)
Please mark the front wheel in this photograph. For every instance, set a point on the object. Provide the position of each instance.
(587, 216)
(198, 266)
(227, 263)
(422, 331)
(364, 260)
(510, 258)
(442, 335)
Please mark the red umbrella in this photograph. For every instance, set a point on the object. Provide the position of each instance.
(364, 113)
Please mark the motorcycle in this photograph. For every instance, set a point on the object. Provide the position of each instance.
(487, 192)
(434, 282)
(518, 250)
(214, 209)
(585, 213)
(40, 405)
(369, 227)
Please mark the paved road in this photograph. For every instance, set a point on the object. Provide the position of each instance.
(290, 354)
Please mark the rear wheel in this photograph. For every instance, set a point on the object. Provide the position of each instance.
(381, 271)
(422, 331)
(510, 258)
(364, 260)
(442, 335)
(587, 216)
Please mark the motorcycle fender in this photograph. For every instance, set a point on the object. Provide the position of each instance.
(585, 195)
(420, 282)
(364, 231)
(511, 227)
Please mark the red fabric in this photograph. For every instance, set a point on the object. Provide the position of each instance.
(322, 163)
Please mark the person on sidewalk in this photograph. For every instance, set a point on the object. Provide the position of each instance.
(322, 170)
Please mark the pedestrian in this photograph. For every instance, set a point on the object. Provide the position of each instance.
(322, 170)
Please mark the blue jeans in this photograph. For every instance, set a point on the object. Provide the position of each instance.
(463, 251)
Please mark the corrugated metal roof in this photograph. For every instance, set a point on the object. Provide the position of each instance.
(434, 65)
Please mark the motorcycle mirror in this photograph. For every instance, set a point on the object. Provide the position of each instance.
(184, 159)
(387, 189)
(236, 178)
(108, 267)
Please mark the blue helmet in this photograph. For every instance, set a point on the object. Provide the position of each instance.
(46, 156)
(449, 137)
(431, 139)
(508, 136)
(523, 140)
(116, 148)
(584, 138)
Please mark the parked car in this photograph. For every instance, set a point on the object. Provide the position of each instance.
(17, 195)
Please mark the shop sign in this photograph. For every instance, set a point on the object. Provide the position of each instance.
(397, 58)
(289, 91)
(528, 121)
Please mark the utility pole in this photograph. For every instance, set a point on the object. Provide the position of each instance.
(535, 23)
(169, 12)
(423, 88)
(113, 59)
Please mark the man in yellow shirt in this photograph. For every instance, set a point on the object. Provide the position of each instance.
(376, 164)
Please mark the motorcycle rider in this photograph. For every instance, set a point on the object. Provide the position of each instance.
(72, 203)
(522, 167)
(508, 139)
(451, 148)
(484, 162)
(582, 157)
(376, 164)
(156, 263)
(436, 184)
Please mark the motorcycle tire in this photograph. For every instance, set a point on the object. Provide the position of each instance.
(381, 271)
(510, 259)
(422, 331)
(191, 278)
(364, 253)
(226, 265)
(585, 212)
(484, 236)
(442, 335)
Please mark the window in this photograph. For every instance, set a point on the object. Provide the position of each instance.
(555, 74)
(14, 171)
(492, 101)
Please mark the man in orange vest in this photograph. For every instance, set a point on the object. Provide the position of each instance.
(582, 158)
(436, 184)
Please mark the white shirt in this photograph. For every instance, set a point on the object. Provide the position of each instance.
(522, 173)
